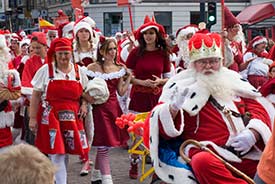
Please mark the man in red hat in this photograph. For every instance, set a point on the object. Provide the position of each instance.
(235, 40)
(209, 104)
(15, 49)
(183, 36)
(39, 46)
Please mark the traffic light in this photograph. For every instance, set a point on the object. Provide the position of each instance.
(212, 13)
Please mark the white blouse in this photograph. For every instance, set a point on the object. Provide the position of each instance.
(41, 78)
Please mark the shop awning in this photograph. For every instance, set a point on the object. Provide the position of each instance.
(263, 14)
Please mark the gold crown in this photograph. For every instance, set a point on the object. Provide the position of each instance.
(200, 49)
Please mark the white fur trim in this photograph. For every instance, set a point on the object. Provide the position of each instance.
(25, 41)
(6, 119)
(149, 27)
(269, 107)
(124, 53)
(259, 41)
(166, 172)
(106, 76)
(67, 28)
(261, 128)
(90, 21)
(168, 123)
(81, 25)
(124, 43)
(26, 90)
(271, 98)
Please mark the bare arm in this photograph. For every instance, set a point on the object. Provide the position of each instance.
(34, 106)
(124, 83)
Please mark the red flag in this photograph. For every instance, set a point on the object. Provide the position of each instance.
(122, 2)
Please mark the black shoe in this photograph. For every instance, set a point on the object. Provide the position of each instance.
(96, 182)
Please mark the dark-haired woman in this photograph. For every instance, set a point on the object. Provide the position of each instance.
(150, 65)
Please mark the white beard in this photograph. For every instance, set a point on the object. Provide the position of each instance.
(218, 84)
(4, 59)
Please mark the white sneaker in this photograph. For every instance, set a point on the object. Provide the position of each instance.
(107, 179)
(96, 176)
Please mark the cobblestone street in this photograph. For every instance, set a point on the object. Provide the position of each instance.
(119, 159)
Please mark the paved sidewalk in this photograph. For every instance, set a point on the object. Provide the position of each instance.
(119, 159)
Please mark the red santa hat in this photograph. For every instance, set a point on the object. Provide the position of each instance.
(39, 37)
(16, 37)
(59, 44)
(22, 33)
(89, 20)
(185, 30)
(80, 25)
(7, 32)
(25, 41)
(229, 19)
(159, 28)
(146, 19)
(204, 46)
(65, 28)
(257, 40)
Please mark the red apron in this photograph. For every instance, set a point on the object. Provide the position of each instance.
(59, 129)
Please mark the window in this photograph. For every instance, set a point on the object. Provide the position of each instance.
(112, 23)
(165, 19)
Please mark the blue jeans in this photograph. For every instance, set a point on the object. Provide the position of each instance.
(258, 180)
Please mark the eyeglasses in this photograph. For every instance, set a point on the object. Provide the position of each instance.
(211, 62)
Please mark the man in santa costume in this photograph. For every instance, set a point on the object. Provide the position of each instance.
(9, 90)
(215, 106)
(183, 36)
(15, 48)
(51, 35)
(234, 38)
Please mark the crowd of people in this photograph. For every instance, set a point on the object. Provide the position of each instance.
(62, 90)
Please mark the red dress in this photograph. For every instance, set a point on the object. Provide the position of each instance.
(59, 129)
(6, 119)
(107, 133)
(144, 67)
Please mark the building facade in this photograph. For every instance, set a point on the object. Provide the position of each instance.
(111, 18)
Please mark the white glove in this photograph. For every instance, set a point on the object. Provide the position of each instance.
(244, 141)
(178, 98)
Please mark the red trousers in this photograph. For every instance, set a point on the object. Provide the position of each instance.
(208, 169)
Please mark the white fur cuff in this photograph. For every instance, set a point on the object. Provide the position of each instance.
(168, 122)
(261, 128)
